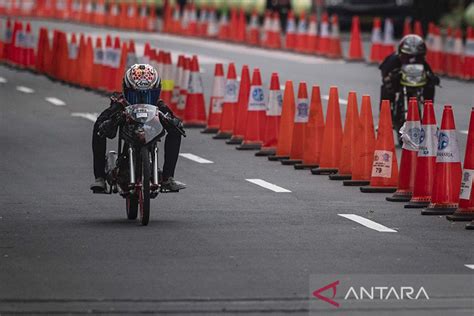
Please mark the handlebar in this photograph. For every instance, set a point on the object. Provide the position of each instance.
(173, 121)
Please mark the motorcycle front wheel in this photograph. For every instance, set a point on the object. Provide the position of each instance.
(132, 207)
(144, 193)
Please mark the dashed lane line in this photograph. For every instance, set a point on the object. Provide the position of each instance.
(55, 101)
(88, 116)
(195, 158)
(24, 89)
(268, 185)
(368, 223)
(470, 266)
(3, 80)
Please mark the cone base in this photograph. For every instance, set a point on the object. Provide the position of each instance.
(234, 140)
(278, 158)
(378, 189)
(438, 211)
(266, 152)
(302, 166)
(338, 176)
(194, 125)
(249, 146)
(355, 183)
(460, 216)
(399, 197)
(210, 130)
(222, 135)
(290, 162)
(417, 204)
(323, 171)
(470, 226)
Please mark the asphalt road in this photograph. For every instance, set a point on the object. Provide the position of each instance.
(223, 245)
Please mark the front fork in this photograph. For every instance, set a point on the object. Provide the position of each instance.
(132, 164)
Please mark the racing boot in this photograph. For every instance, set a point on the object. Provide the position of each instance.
(98, 186)
(171, 185)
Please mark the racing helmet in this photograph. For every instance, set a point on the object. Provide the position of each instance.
(142, 85)
(412, 45)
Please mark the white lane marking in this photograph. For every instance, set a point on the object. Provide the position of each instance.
(55, 101)
(268, 185)
(368, 223)
(195, 158)
(3, 80)
(470, 266)
(341, 101)
(88, 116)
(25, 89)
(463, 132)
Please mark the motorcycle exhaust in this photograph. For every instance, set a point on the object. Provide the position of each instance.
(131, 165)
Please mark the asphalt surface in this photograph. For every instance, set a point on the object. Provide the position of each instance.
(223, 245)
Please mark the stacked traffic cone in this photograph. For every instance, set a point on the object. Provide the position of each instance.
(267, 29)
(285, 135)
(233, 24)
(43, 51)
(313, 133)
(223, 27)
(299, 127)
(253, 35)
(229, 104)
(175, 25)
(272, 120)
(8, 40)
(73, 49)
(335, 50)
(81, 53)
(376, 42)
(349, 139)
(195, 111)
(447, 177)
(355, 44)
(167, 83)
(364, 150)
(323, 47)
(18, 43)
(313, 38)
(88, 63)
(301, 34)
(178, 74)
(114, 64)
(97, 66)
(29, 55)
(330, 151)
(418, 30)
(275, 39)
(192, 23)
(407, 26)
(240, 111)
(290, 36)
(388, 46)
(384, 175)
(241, 25)
(183, 86)
(410, 135)
(465, 211)
(469, 55)
(255, 123)
(215, 103)
(203, 22)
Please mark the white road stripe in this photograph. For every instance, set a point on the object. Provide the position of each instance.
(470, 266)
(368, 223)
(341, 101)
(195, 158)
(25, 89)
(55, 101)
(88, 116)
(3, 80)
(268, 185)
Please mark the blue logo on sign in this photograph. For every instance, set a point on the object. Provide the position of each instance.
(302, 109)
(415, 135)
(443, 141)
(257, 94)
(386, 157)
(422, 135)
(231, 89)
(279, 100)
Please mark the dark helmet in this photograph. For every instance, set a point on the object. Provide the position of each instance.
(412, 45)
(142, 85)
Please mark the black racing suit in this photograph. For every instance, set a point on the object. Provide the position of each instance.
(390, 69)
(107, 124)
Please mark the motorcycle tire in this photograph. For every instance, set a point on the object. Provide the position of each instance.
(144, 194)
(131, 207)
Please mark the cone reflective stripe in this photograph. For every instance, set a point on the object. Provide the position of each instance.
(313, 38)
(215, 103)
(229, 103)
(376, 42)
(299, 127)
(330, 152)
(355, 44)
(388, 46)
(240, 110)
(272, 120)
(285, 135)
(301, 34)
(426, 159)
(181, 106)
(98, 64)
(290, 36)
(335, 50)
(178, 75)
(349, 139)
(167, 83)
(447, 177)
(256, 107)
(469, 55)
(195, 112)
(465, 211)
(384, 175)
(253, 35)
(410, 135)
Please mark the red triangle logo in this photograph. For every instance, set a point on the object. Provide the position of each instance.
(330, 300)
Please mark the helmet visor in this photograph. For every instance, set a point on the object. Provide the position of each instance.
(150, 96)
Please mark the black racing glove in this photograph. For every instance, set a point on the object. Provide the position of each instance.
(108, 129)
(433, 79)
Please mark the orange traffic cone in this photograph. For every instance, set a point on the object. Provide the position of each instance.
(301, 34)
(88, 63)
(418, 30)
(426, 160)
(212, 28)
(224, 28)
(195, 111)
(30, 46)
(447, 177)
(255, 123)
(253, 34)
(285, 135)
(410, 134)
(99, 13)
(364, 151)
(376, 42)
(215, 103)
(299, 127)
(313, 133)
(448, 50)
(313, 38)
(98, 61)
(113, 16)
(178, 74)
(384, 176)
(349, 139)
(114, 64)
(290, 36)
(203, 22)
(465, 212)
(241, 24)
(469, 54)
(122, 67)
(229, 105)
(267, 29)
(323, 47)
(407, 26)
(272, 121)
(240, 111)
(355, 45)
(456, 55)
(275, 34)
(43, 51)
(388, 46)
(437, 49)
(331, 151)
(183, 85)
(335, 50)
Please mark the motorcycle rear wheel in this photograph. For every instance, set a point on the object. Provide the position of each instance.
(144, 194)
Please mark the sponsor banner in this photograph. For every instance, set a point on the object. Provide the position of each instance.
(302, 111)
(466, 184)
(195, 83)
(448, 147)
(231, 93)
(382, 165)
(98, 56)
(256, 99)
(275, 101)
(114, 58)
(20, 39)
(410, 134)
(428, 141)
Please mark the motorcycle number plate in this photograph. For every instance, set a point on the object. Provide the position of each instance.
(142, 114)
